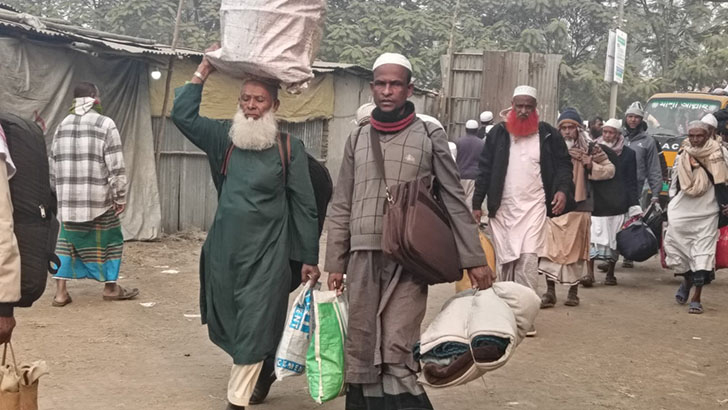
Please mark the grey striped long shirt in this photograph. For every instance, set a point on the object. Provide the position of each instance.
(87, 167)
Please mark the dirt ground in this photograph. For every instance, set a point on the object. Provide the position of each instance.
(625, 347)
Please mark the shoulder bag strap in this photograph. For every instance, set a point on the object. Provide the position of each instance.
(226, 160)
(284, 150)
(376, 148)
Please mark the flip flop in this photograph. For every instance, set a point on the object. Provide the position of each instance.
(62, 304)
(123, 294)
(681, 297)
(696, 308)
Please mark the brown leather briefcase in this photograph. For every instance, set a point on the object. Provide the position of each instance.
(416, 227)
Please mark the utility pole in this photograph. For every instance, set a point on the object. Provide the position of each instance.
(615, 86)
(445, 103)
(168, 83)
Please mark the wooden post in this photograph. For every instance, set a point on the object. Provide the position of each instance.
(445, 100)
(168, 83)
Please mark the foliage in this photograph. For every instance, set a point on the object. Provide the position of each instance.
(673, 44)
(139, 18)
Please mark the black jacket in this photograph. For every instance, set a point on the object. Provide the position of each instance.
(556, 168)
(615, 196)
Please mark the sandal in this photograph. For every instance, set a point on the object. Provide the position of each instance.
(604, 266)
(681, 297)
(610, 281)
(572, 301)
(123, 294)
(696, 308)
(62, 304)
(548, 300)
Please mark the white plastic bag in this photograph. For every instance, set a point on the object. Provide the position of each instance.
(291, 352)
(275, 39)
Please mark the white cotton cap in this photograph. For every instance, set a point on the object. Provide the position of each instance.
(430, 119)
(710, 120)
(471, 125)
(614, 123)
(364, 112)
(392, 58)
(698, 124)
(525, 90)
(486, 116)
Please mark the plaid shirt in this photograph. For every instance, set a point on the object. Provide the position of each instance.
(87, 167)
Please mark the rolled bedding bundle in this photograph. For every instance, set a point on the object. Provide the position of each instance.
(474, 333)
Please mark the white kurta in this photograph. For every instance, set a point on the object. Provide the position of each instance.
(518, 225)
(692, 230)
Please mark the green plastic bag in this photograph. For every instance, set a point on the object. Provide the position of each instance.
(325, 356)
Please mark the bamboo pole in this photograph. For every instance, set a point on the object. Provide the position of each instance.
(168, 83)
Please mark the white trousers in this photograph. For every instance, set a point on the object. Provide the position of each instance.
(242, 383)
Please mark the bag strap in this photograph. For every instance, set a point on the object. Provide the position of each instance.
(226, 160)
(12, 353)
(284, 150)
(379, 158)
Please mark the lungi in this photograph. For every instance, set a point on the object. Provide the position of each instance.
(386, 309)
(91, 250)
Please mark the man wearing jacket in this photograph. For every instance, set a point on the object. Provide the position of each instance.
(386, 302)
(469, 147)
(526, 174)
(9, 254)
(648, 155)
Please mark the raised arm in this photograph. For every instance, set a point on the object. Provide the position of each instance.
(207, 134)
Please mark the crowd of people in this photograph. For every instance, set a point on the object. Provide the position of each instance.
(551, 198)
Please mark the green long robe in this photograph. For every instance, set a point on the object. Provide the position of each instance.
(259, 224)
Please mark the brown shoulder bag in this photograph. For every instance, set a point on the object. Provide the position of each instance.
(416, 229)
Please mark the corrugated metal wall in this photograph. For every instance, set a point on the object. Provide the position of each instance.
(187, 194)
(484, 80)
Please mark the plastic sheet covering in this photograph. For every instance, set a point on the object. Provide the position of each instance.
(40, 78)
(275, 39)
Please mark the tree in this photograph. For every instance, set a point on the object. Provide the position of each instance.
(139, 18)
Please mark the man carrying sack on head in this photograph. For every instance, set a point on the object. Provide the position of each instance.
(386, 302)
(262, 221)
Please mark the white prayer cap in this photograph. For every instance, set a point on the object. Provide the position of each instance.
(525, 90)
(710, 120)
(471, 125)
(698, 124)
(614, 123)
(430, 119)
(392, 58)
(486, 116)
(364, 113)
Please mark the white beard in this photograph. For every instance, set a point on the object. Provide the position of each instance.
(610, 144)
(569, 143)
(254, 135)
